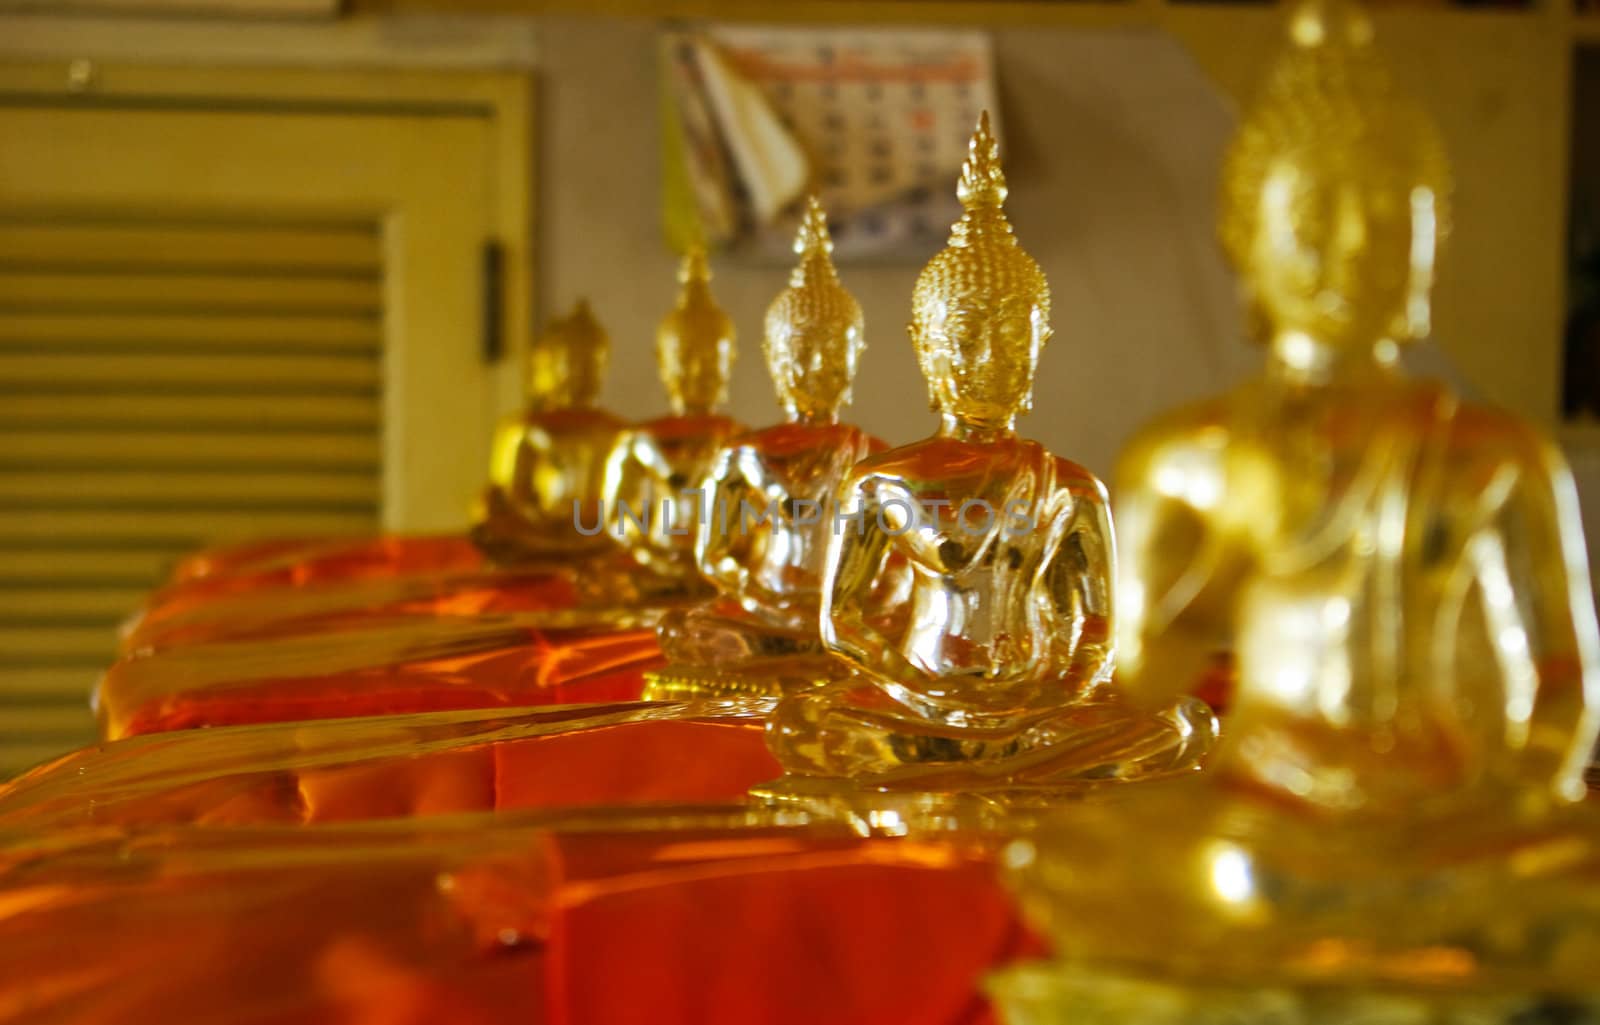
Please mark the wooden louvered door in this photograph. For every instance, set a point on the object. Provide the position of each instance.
(220, 320)
(166, 381)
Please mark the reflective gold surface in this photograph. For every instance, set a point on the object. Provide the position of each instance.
(656, 470)
(770, 496)
(1387, 831)
(548, 462)
(994, 672)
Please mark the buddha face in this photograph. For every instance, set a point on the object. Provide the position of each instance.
(560, 377)
(696, 377)
(567, 363)
(1343, 260)
(979, 353)
(812, 351)
(694, 352)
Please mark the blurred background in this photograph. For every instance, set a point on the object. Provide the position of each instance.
(269, 266)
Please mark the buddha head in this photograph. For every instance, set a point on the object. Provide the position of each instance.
(813, 337)
(981, 308)
(694, 342)
(1335, 190)
(567, 363)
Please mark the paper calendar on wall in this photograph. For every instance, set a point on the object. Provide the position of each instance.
(875, 121)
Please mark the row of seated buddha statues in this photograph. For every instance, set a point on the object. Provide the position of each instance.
(1387, 825)
(936, 614)
(909, 639)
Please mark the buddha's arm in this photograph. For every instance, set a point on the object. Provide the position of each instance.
(852, 588)
(726, 542)
(891, 585)
(1176, 577)
(631, 486)
(1083, 585)
(1533, 578)
(506, 452)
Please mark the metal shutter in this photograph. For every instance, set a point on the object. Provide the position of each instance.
(166, 382)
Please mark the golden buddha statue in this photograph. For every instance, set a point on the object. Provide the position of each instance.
(994, 674)
(656, 471)
(770, 494)
(547, 471)
(1387, 831)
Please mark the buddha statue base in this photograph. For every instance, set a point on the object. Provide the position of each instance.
(679, 681)
(849, 739)
(1045, 994)
(1260, 909)
(719, 650)
(882, 810)
(992, 815)
(614, 580)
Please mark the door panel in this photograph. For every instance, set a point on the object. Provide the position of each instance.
(257, 319)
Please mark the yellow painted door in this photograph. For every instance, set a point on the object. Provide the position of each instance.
(221, 318)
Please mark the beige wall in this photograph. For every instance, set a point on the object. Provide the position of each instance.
(1113, 139)
(1112, 143)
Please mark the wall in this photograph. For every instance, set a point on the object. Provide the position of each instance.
(411, 40)
(1113, 139)
(1112, 142)
(1111, 167)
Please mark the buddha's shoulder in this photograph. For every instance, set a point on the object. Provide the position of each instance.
(1492, 439)
(778, 439)
(1440, 421)
(577, 419)
(823, 440)
(1077, 478)
(692, 426)
(897, 461)
(1195, 428)
(1480, 425)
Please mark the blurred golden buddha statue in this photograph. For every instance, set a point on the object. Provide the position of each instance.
(1386, 832)
(547, 471)
(994, 674)
(770, 497)
(523, 554)
(544, 459)
(656, 471)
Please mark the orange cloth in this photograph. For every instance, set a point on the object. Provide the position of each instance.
(384, 667)
(267, 613)
(800, 929)
(406, 766)
(281, 562)
(489, 919)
